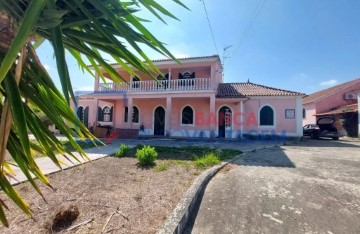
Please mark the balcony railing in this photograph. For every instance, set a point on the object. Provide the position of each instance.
(157, 86)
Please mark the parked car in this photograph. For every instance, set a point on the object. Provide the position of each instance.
(324, 127)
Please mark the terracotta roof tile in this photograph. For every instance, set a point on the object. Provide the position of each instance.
(327, 92)
(341, 110)
(241, 90)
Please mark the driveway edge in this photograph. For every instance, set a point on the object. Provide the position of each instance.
(177, 221)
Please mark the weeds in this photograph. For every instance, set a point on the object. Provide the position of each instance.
(161, 167)
(208, 160)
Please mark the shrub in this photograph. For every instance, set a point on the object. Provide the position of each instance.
(208, 160)
(146, 155)
(122, 151)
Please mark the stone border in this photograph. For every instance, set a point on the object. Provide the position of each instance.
(177, 221)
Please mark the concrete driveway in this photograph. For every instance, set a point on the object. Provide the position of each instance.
(307, 187)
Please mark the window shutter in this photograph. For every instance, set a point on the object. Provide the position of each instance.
(111, 113)
(86, 116)
(181, 76)
(126, 114)
(193, 75)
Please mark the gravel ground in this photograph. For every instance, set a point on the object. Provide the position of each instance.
(143, 197)
(311, 186)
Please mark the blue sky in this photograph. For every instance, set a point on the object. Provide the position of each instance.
(297, 45)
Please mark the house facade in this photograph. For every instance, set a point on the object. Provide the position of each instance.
(339, 101)
(189, 100)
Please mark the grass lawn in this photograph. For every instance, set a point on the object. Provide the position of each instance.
(114, 193)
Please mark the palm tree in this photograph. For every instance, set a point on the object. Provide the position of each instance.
(88, 30)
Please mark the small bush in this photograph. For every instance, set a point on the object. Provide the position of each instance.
(122, 151)
(161, 167)
(146, 155)
(208, 160)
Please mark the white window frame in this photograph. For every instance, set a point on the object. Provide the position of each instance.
(193, 124)
(274, 122)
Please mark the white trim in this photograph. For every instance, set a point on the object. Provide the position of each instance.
(138, 123)
(153, 119)
(189, 133)
(274, 117)
(217, 120)
(190, 125)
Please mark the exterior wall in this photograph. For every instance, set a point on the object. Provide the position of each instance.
(329, 103)
(336, 99)
(242, 123)
(146, 109)
(310, 110)
(234, 132)
(289, 127)
(207, 69)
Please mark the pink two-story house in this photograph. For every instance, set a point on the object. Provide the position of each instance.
(189, 99)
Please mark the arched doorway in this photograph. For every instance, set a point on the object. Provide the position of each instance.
(224, 120)
(159, 121)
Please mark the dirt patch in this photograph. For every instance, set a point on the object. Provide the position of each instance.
(63, 219)
(137, 199)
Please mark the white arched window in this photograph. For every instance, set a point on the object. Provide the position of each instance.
(187, 116)
(106, 114)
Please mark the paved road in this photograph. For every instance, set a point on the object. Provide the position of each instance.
(309, 187)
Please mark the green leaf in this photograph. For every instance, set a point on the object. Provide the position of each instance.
(26, 27)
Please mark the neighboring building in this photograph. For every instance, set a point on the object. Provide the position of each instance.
(338, 101)
(190, 100)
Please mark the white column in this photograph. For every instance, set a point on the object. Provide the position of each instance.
(130, 112)
(358, 100)
(212, 115)
(168, 117)
(212, 77)
(96, 84)
(298, 113)
(242, 118)
(96, 105)
(169, 84)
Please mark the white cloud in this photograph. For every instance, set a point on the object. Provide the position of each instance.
(328, 82)
(47, 67)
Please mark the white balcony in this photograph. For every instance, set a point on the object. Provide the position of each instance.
(158, 86)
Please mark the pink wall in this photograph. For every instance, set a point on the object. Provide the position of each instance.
(200, 107)
(146, 108)
(324, 105)
(336, 100)
(310, 114)
(279, 104)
